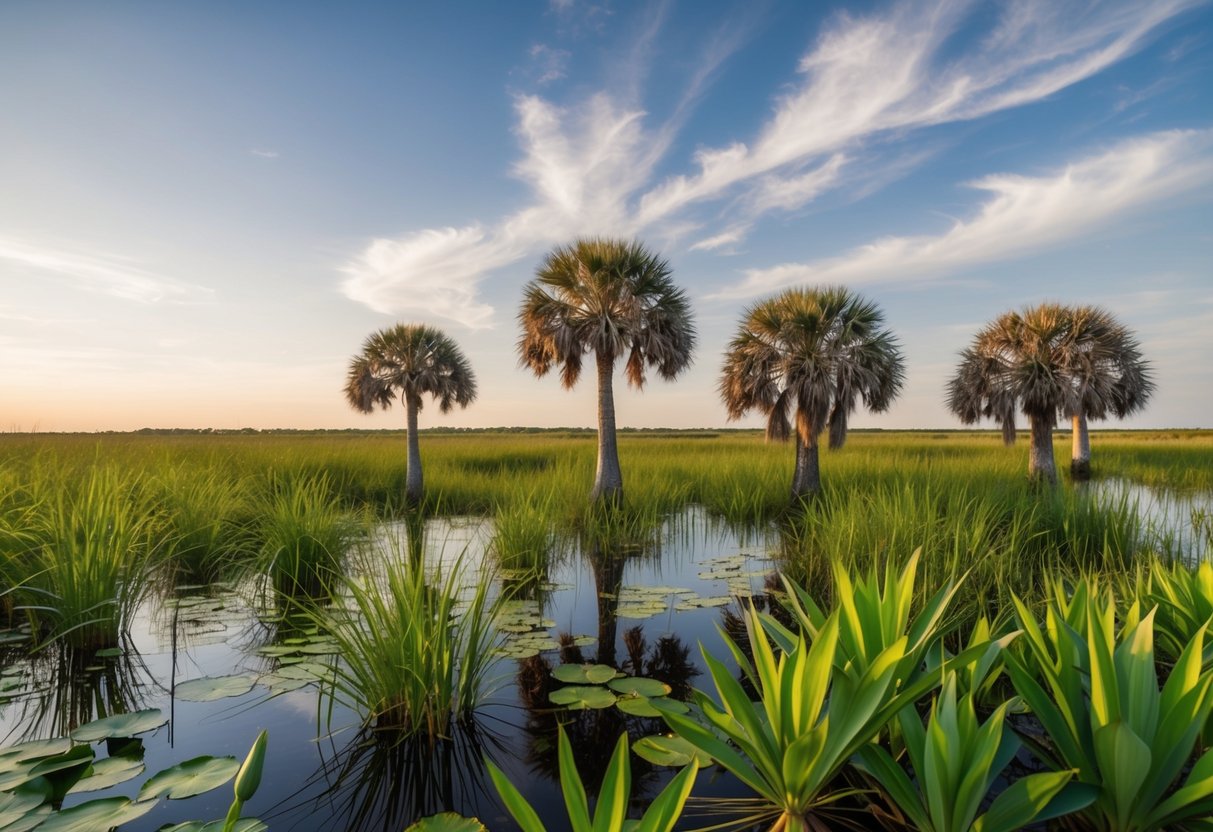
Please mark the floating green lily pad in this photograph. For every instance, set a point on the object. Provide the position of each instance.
(36, 748)
(211, 688)
(120, 725)
(634, 704)
(201, 774)
(26, 807)
(242, 825)
(97, 814)
(669, 751)
(639, 686)
(581, 674)
(108, 772)
(109, 652)
(580, 697)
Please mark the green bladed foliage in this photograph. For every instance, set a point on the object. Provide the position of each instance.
(955, 761)
(1096, 694)
(611, 809)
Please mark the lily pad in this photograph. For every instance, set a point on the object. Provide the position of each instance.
(669, 751)
(447, 822)
(97, 814)
(580, 674)
(120, 725)
(636, 705)
(639, 685)
(108, 772)
(580, 697)
(201, 774)
(242, 825)
(21, 809)
(211, 688)
(34, 749)
(109, 652)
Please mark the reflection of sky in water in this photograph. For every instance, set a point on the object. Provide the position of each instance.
(1175, 521)
(220, 638)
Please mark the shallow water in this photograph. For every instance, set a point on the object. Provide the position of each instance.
(1178, 522)
(321, 777)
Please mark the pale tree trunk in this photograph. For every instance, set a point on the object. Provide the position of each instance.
(412, 486)
(806, 479)
(608, 481)
(1080, 448)
(1041, 467)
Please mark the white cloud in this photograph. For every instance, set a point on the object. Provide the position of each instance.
(104, 273)
(1025, 214)
(549, 64)
(866, 82)
(428, 273)
(869, 76)
(264, 154)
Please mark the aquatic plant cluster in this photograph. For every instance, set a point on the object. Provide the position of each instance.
(1008, 673)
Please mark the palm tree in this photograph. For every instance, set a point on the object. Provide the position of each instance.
(612, 298)
(810, 353)
(1110, 377)
(1021, 361)
(406, 361)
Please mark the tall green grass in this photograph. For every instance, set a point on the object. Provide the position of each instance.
(303, 534)
(415, 649)
(93, 553)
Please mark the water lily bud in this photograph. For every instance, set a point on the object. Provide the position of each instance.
(249, 776)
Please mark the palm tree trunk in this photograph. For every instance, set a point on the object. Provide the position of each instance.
(1041, 467)
(1080, 449)
(806, 479)
(412, 486)
(608, 481)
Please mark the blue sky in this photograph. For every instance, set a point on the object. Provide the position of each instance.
(205, 208)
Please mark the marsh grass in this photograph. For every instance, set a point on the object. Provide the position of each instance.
(303, 534)
(416, 646)
(206, 518)
(93, 555)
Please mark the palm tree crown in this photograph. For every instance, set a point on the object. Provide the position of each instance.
(405, 362)
(810, 354)
(409, 360)
(613, 298)
(1049, 361)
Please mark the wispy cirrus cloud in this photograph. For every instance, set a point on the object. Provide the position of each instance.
(107, 274)
(1023, 215)
(865, 83)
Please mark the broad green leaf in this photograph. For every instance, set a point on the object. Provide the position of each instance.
(1124, 763)
(633, 705)
(616, 790)
(514, 802)
(666, 808)
(570, 786)
(211, 688)
(242, 825)
(108, 772)
(120, 725)
(580, 697)
(30, 750)
(639, 685)
(201, 774)
(1021, 802)
(670, 751)
(97, 814)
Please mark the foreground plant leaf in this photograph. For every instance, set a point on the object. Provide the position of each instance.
(212, 688)
(201, 774)
(97, 814)
(447, 822)
(105, 773)
(120, 725)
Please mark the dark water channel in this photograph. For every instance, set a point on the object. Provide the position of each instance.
(322, 773)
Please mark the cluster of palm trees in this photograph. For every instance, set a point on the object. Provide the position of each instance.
(803, 359)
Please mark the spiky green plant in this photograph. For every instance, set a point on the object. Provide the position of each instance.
(1096, 694)
(612, 298)
(955, 762)
(804, 359)
(205, 518)
(406, 362)
(611, 810)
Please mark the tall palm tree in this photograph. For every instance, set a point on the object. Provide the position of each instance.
(1022, 361)
(405, 362)
(612, 298)
(811, 354)
(1109, 375)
